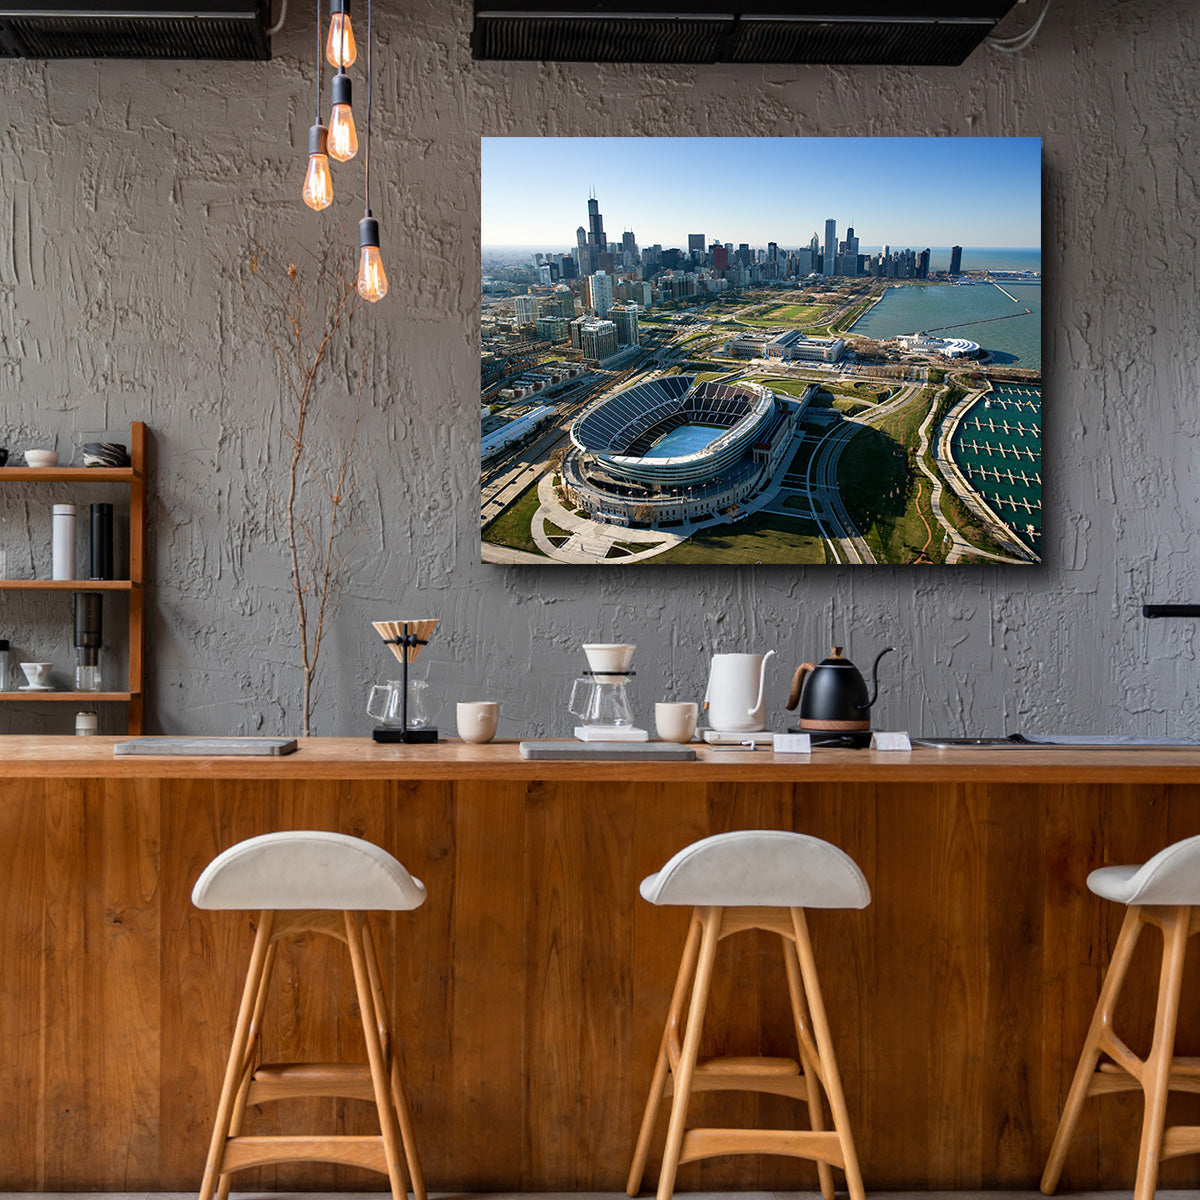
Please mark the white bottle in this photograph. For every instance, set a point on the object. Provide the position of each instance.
(63, 544)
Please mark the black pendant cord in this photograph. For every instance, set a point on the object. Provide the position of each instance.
(367, 152)
(319, 62)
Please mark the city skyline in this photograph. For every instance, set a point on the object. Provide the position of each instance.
(895, 191)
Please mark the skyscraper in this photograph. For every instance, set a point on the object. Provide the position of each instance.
(831, 246)
(923, 264)
(772, 252)
(695, 242)
(526, 308)
(720, 257)
(599, 294)
(597, 241)
(625, 318)
(955, 260)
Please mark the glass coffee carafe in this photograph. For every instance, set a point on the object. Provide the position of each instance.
(384, 703)
(599, 701)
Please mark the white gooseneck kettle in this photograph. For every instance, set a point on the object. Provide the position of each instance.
(734, 698)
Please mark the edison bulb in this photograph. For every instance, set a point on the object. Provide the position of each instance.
(372, 279)
(318, 183)
(343, 137)
(340, 50)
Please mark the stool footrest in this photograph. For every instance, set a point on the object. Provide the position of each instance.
(1179, 1140)
(731, 1073)
(351, 1151)
(287, 1081)
(796, 1143)
(1110, 1078)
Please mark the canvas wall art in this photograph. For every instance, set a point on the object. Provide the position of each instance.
(760, 350)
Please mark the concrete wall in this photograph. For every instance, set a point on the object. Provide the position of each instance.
(120, 182)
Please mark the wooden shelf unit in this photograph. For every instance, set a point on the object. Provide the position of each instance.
(135, 477)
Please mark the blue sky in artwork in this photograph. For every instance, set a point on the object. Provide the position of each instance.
(900, 191)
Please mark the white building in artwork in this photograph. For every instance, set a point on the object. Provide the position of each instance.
(922, 343)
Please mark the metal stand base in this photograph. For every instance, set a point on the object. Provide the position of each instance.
(389, 733)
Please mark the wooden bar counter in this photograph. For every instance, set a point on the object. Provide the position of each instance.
(530, 989)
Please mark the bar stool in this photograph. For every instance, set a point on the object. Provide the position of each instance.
(751, 879)
(311, 882)
(1164, 892)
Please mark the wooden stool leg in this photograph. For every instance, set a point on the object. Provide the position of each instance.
(391, 1053)
(1157, 1071)
(687, 967)
(1110, 992)
(379, 1079)
(829, 1068)
(239, 1106)
(237, 1055)
(816, 1117)
(682, 1091)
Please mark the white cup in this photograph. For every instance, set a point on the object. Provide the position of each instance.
(675, 721)
(477, 720)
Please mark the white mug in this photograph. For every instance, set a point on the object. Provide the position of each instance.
(675, 721)
(477, 720)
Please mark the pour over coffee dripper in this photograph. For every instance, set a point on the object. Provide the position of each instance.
(406, 639)
(600, 697)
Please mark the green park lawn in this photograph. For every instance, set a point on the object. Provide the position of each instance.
(512, 526)
(761, 538)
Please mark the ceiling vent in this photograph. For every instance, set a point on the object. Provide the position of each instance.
(929, 33)
(231, 29)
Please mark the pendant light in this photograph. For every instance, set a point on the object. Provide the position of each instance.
(340, 50)
(318, 184)
(343, 137)
(372, 279)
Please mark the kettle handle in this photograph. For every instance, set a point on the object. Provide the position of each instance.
(797, 683)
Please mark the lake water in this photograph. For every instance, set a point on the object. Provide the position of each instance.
(966, 312)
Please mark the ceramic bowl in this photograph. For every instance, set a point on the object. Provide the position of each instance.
(41, 458)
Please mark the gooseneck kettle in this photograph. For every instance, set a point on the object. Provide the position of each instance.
(833, 694)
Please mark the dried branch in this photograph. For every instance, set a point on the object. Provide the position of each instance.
(312, 308)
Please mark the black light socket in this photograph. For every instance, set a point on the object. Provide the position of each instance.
(318, 139)
(368, 232)
(340, 90)
(89, 620)
(339, 6)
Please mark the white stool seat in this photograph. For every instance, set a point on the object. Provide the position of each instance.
(307, 869)
(760, 868)
(1171, 877)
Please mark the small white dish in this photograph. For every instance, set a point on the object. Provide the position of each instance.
(37, 687)
(41, 458)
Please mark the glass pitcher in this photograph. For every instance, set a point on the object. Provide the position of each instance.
(384, 703)
(596, 702)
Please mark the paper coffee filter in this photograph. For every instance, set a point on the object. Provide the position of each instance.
(388, 630)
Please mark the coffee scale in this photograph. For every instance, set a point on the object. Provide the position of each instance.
(600, 697)
(406, 639)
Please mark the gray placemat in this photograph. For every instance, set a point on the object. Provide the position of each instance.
(609, 751)
(206, 747)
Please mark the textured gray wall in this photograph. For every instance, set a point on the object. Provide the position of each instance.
(120, 180)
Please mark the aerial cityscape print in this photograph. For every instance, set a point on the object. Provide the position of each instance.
(761, 350)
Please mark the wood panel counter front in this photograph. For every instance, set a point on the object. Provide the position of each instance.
(530, 989)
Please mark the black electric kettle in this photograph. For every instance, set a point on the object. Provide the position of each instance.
(833, 695)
